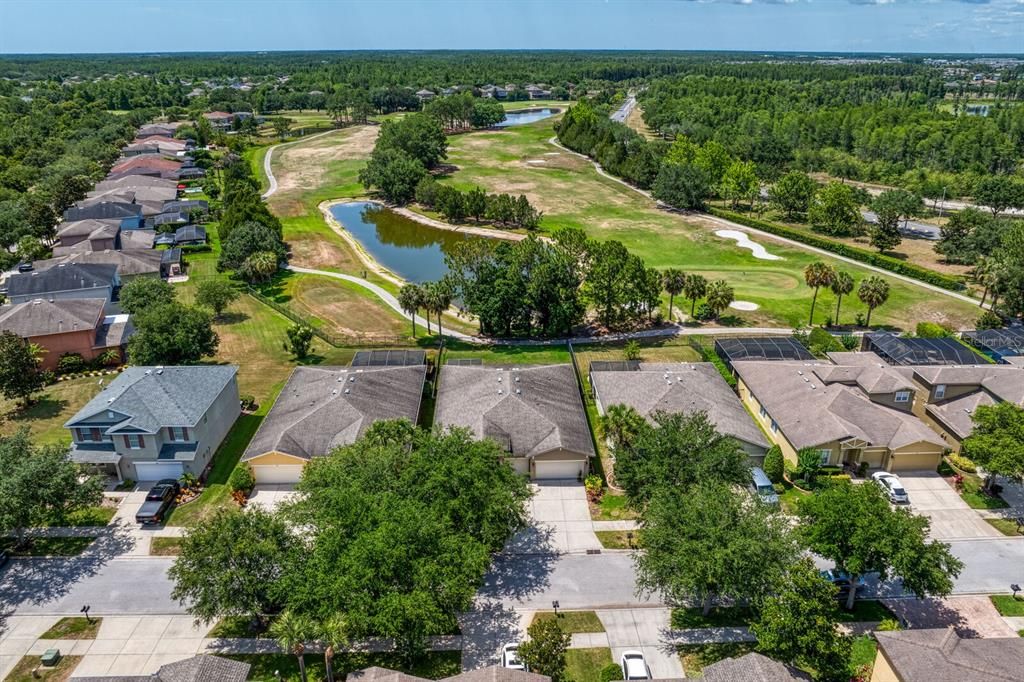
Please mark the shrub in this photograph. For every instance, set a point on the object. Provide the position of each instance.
(849, 342)
(611, 672)
(989, 320)
(820, 342)
(109, 358)
(889, 625)
(241, 479)
(862, 469)
(188, 480)
(774, 464)
(70, 363)
(631, 351)
(704, 313)
(930, 330)
(248, 402)
(778, 488)
(962, 463)
(594, 487)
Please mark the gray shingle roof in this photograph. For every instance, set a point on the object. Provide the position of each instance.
(494, 673)
(683, 388)
(91, 228)
(321, 408)
(103, 210)
(942, 656)
(752, 667)
(41, 317)
(528, 409)
(69, 277)
(128, 263)
(155, 397)
(136, 181)
(201, 668)
(810, 412)
(1006, 382)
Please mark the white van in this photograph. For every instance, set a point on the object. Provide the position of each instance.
(761, 485)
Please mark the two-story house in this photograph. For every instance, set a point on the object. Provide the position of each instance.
(67, 280)
(156, 422)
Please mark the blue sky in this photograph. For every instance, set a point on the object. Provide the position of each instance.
(242, 25)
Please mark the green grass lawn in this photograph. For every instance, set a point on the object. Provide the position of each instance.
(48, 546)
(1006, 526)
(790, 498)
(1007, 605)
(618, 539)
(865, 611)
(432, 665)
(612, 507)
(572, 621)
(90, 516)
(572, 194)
(863, 655)
(165, 547)
(508, 355)
(721, 616)
(585, 665)
(29, 670)
(976, 498)
(696, 657)
(54, 405)
(73, 627)
(651, 350)
(236, 627)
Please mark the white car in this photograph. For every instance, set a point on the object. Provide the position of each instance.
(634, 667)
(892, 486)
(510, 657)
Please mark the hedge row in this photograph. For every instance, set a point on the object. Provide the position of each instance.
(876, 259)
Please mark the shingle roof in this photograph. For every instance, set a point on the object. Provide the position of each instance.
(872, 379)
(73, 276)
(378, 674)
(91, 228)
(752, 667)
(1006, 381)
(321, 408)
(114, 332)
(137, 240)
(810, 412)
(529, 410)
(148, 162)
(679, 388)
(41, 317)
(103, 210)
(135, 181)
(494, 673)
(202, 668)
(154, 397)
(942, 656)
(128, 263)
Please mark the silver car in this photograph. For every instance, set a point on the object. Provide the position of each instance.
(892, 486)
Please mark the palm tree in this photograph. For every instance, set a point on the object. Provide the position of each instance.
(694, 288)
(983, 274)
(818, 275)
(842, 284)
(673, 280)
(410, 297)
(719, 296)
(437, 297)
(873, 292)
(291, 632)
(333, 635)
(620, 424)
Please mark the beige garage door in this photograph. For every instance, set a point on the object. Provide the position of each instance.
(914, 462)
(557, 470)
(277, 473)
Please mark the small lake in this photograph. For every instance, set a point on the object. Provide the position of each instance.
(518, 118)
(413, 251)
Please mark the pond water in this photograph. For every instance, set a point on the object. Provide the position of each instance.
(413, 251)
(518, 118)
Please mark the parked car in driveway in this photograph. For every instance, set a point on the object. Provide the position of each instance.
(634, 667)
(25, 267)
(892, 486)
(842, 581)
(510, 657)
(158, 502)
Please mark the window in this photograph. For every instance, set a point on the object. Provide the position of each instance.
(764, 412)
(940, 391)
(825, 456)
(134, 442)
(902, 396)
(775, 426)
(178, 434)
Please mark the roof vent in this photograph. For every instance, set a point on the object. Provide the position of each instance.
(806, 380)
(148, 371)
(499, 391)
(351, 380)
(517, 378)
(334, 391)
(813, 387)
(518, 391)
(800, 372)
(499, 379)
(347, 391)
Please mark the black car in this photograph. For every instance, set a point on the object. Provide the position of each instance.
(25, 267)
(158, 502)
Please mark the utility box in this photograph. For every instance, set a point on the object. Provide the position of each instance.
(51, 657)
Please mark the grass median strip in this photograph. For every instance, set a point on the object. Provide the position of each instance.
(30, 669)
(617, 539)
(572, 621)
(48, 546)
(1008, 605)
(73, 627)
(165, 547)
(585, 665)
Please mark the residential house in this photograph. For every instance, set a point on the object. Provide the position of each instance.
(157, 422)
(494, 673)
(941, 655)
(220, 120)
(165, 146)
(493, 91)
(72, 280)
(535, 413)
(321, 408)
(154, 195)
(103, 210)
(147, 164)
(130, 264)
(132, 240)
(683, 388)
(753, 667)
(849, 414)
(137, 181)
(425, 95)
(158, 130)
(898, 350)
(537, 92)
(198, 668)
(91, 234)
(67, 326)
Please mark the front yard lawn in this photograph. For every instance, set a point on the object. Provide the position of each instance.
(573, 621)
(618, 539)
(90, 516)
(1007, 605)
(73, 627)
(720, 616)
(432, 665)
(584, 665)
(976, 498)
(790, 498)
(865, 648)
(48, 546)
(612, 507)
(865, 611)
(236, 627)
(165, 547)
(1006, 526)
(23, 672)
(696, 657)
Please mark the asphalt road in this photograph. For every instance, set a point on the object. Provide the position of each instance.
(911, 228)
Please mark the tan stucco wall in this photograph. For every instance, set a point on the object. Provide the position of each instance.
(561, 455)
(788, 451)
(275, 458)
(883, 672)
(889, 400)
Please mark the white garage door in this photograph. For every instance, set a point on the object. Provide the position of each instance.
(277, 473)
(154, 471)
(555, 470)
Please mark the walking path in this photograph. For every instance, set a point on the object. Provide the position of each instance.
(790, 242)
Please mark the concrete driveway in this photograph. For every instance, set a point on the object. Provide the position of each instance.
(646, 630)
(271, 496)
(951, 518)
(561, 521)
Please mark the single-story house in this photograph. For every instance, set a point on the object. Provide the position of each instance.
(494, 673)
(156, 422)
(684, 388)
(135, 193)
(103, 210)
(167, 146)
(148, 164)
(753, 667)
(321, 408)
(219, 119)
(70, 280)
(198, 668)
(535, 413)
(941, 655)
(91, 234)
(76, 325)
(849, 414)
(425, 95)
(137, 181)
(158, 130)
(135, 240)
(130, 264)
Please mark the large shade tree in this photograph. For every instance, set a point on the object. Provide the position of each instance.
(997, 441)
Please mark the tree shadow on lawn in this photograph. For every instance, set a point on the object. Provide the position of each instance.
(44, 408)
(231, 317)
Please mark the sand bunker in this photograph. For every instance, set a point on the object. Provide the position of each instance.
(744, 305)
(743, 241)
